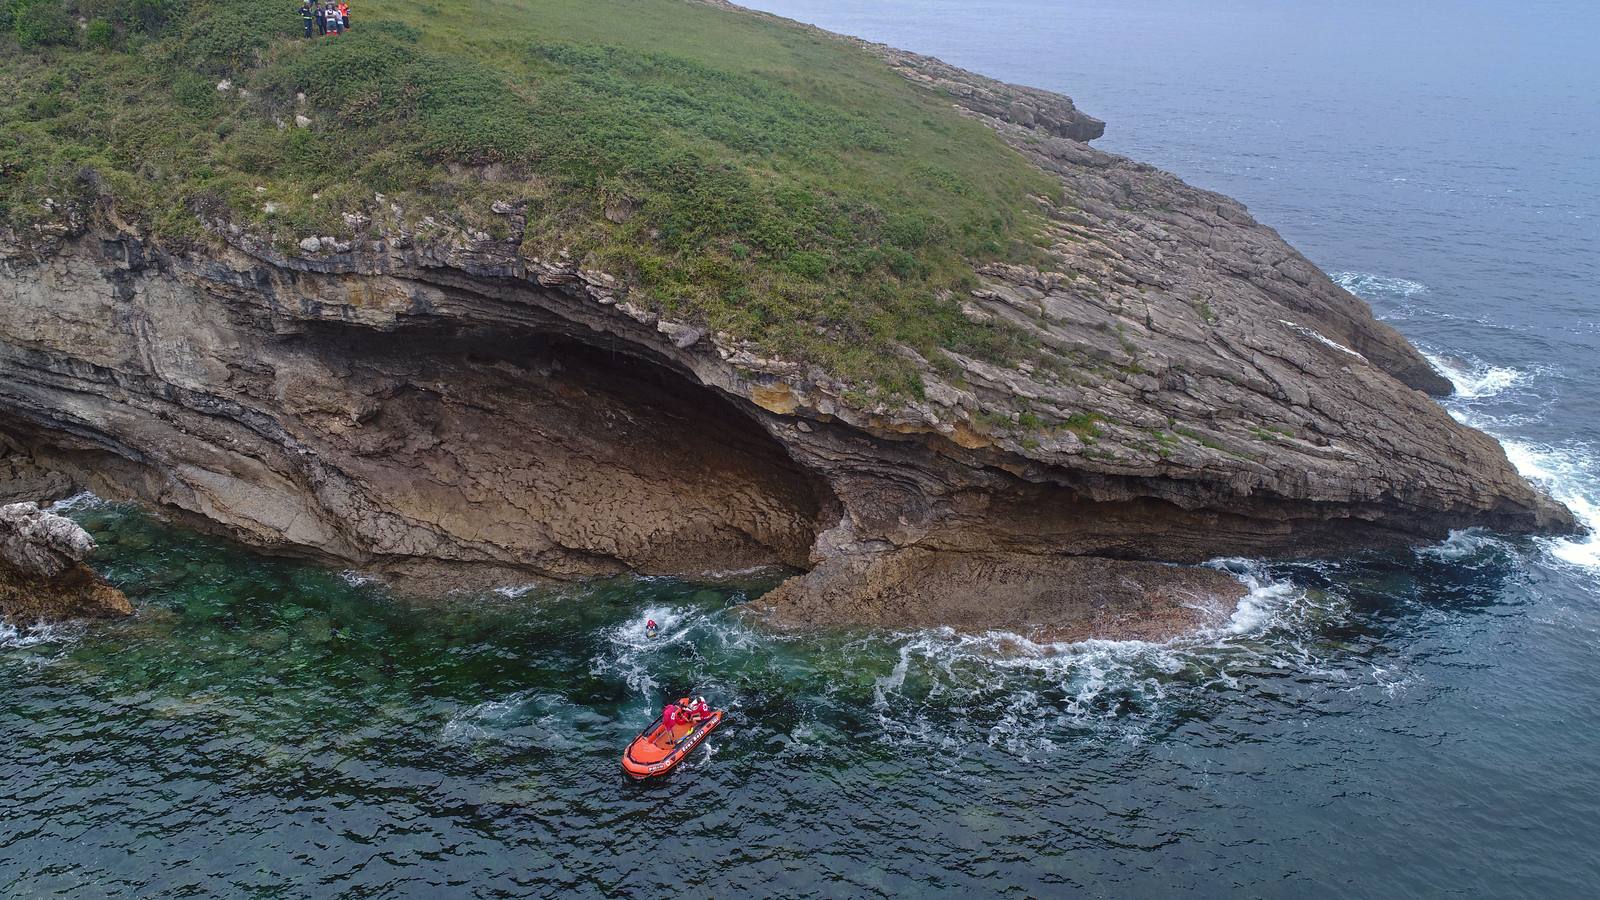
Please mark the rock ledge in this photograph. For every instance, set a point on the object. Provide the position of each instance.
(42, 573)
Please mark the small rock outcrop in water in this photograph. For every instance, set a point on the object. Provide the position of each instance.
(423, 393)
(42, 573)
(1048, 599)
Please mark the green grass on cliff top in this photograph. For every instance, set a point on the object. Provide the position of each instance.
(787, 187)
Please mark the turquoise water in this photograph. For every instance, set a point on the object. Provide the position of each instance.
(1414, 724)
(265, 728)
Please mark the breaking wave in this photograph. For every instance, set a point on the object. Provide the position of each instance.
(79, 501)
(1029, 697)
(939, 688)
(1369, 286)
(1464, 544)
(1571, 475)
(1474, 379)
(1569, 472)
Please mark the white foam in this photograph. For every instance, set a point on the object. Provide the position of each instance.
(519, 720)
(1570, 472)
(1262, 606)
(746, 572)
(83, 500)
(1473, 379)
(1572, 476)
(478, 722)
(1462, 544)
(893, 681)
(630, 650)
(16, 637)
(1117, 690)
(1369, 286)
(1393, 683)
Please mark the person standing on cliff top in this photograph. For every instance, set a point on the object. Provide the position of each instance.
(307, 17)
(321, 17)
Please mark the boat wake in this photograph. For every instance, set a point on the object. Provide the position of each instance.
(630, 652)
(521, 721)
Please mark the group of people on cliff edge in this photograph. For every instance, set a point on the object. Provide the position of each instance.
(326, 17)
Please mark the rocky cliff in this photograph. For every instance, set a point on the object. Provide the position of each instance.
(405, 399)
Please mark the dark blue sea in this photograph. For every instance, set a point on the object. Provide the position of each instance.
(1415, 724)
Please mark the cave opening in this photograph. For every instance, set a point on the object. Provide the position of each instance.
(557, 453)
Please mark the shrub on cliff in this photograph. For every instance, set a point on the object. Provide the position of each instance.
(37, 23)
(99, 35)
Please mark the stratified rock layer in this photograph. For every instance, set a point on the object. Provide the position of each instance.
(1202, 390)
(42, 573)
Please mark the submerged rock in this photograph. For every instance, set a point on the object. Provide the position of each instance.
(42, 573)
(1068, 599)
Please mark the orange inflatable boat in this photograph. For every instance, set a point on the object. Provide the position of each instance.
(659, 749)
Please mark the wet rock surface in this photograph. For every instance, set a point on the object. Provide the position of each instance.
(42, 572)
(1043, 598)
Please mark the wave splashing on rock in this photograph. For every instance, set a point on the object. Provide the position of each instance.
(1492, 397)
(1571, 473)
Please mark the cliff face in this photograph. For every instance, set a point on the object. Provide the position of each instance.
(1203, 390)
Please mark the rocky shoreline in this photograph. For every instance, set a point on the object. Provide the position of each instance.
(43, 577)
(416, 400)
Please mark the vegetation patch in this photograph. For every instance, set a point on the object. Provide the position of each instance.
(1085, 425)
(1201, 439)
(760, 178)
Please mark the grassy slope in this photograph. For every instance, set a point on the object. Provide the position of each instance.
(788, 187)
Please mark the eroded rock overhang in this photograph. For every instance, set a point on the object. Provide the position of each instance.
(384, 419)
(400, 403)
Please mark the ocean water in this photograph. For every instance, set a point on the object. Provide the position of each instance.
(1384, 725)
